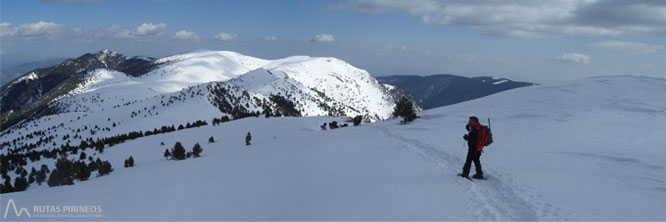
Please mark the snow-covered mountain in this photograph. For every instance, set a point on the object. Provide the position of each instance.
(588, 149)
(320, 86)
(235, 84)
(29, 95)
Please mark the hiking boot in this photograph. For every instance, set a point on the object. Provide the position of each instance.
(461, 175)
(478, 176)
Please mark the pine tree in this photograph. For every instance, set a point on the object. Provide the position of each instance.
(126, 163)
(100, 147)
(41, 176)
(178, 151)
(20, 183)
(92, 166)
(3, 167)
(7, 186)
(248, 138)
(65, 167)
(405, 109)
(19, 170)
(81, 171)
(196, 150)
(45, 168)
(105, 168)
(130, 161)
(333, 125)
(211, 139)
(54, 179)
(82, 156)
(63, 173)
(33, 174)
(98, 163)
(167, 154)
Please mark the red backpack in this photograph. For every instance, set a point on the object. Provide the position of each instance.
(485, 135)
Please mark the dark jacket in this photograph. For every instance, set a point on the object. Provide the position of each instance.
(472, 137)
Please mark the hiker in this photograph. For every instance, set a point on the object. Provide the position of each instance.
(474, 148)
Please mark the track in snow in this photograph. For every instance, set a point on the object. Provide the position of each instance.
(492, 199)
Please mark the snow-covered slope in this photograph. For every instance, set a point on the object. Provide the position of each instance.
(589, 149)
(584, 150)
(180, 71)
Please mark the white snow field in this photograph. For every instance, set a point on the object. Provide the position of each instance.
(591, 149)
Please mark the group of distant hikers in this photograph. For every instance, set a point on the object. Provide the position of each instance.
(478, 136)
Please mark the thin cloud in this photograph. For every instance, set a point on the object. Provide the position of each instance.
(630, 47)
(574, 58)
(143, 31)
(270, 39)
(184, 34)
(390, 48)
(146, 29)
(223, 36)
(36, 29)
(114, 31)
(323, 38)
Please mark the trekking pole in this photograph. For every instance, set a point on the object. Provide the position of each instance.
(489, 123)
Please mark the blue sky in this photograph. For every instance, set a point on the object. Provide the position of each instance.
(542, 41)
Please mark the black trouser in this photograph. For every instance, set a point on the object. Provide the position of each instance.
(473, 155)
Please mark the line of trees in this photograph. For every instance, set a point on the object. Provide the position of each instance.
(14, 159)
(65, 172)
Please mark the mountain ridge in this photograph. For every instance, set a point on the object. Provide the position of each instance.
(325, 86)
(446, 89)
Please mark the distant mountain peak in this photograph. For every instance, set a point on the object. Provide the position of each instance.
(105, 53)
(106, 58)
